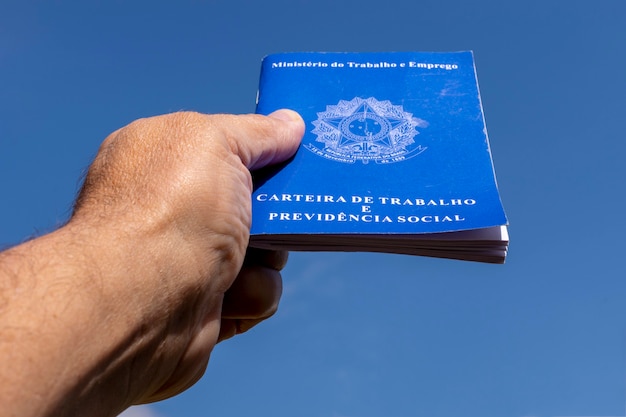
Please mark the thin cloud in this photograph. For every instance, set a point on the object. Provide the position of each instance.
(140, 411)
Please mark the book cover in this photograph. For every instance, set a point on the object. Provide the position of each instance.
(395, 157)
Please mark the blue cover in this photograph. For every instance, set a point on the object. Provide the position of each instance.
(395, 143)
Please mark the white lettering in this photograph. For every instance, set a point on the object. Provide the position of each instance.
(423, 65)
(430, 219)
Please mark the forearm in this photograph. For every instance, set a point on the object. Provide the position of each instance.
(73, 320)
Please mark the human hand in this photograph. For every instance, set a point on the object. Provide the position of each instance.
(184, 179)
(150, 272)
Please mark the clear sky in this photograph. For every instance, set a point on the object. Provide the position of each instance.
(362, 335)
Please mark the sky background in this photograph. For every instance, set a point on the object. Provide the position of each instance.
(364, 335)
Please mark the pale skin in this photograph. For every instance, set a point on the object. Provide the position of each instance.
(124, 304)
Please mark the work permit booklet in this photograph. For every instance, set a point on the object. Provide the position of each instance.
(395, 158)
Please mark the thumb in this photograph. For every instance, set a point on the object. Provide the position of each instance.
(265, 140)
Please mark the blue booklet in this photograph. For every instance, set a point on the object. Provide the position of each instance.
(395, 158)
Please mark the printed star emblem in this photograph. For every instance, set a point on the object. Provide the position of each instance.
(366, 130)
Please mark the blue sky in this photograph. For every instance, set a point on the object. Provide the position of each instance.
(363, 335)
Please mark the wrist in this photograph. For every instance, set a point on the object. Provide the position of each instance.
(84, 299)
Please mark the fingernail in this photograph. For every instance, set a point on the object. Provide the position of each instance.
(286, 115)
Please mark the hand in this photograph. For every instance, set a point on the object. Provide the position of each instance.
(188, 175)
(156, 251)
